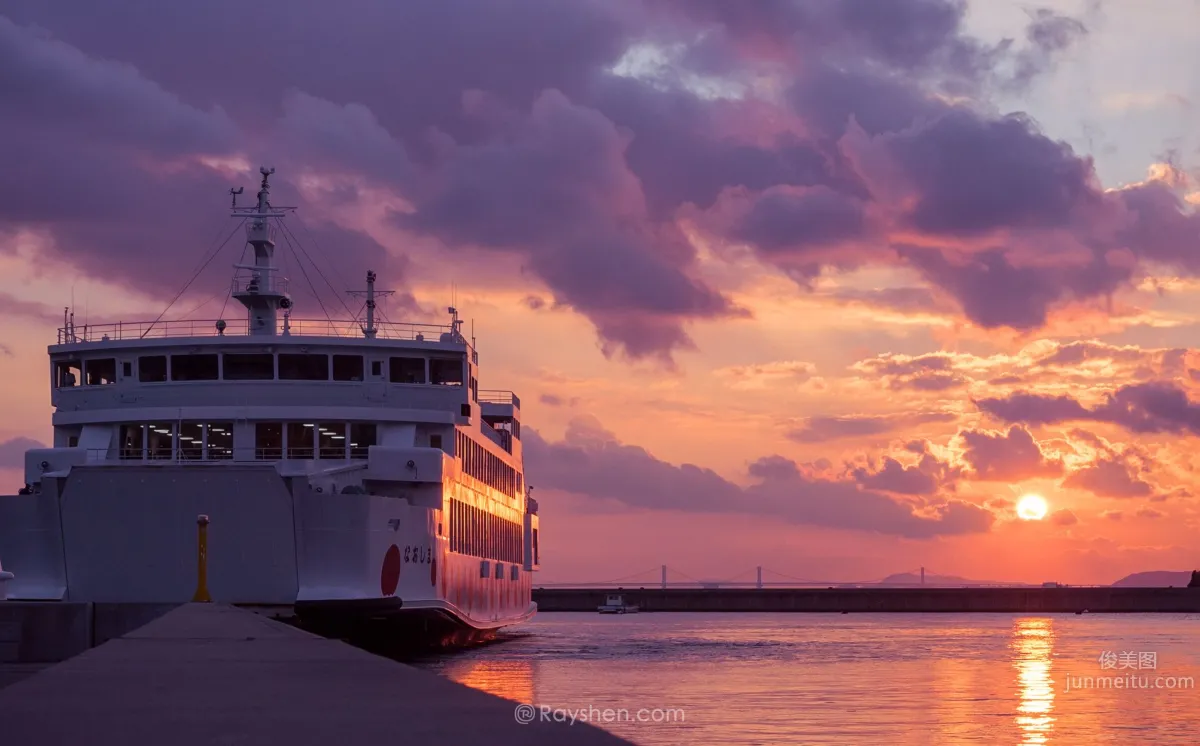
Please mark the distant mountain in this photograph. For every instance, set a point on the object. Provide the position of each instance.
(912, 578)
(1155, 579)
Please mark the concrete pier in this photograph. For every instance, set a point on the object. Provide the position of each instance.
(40, 632)
(1013, 600)
(211, 674)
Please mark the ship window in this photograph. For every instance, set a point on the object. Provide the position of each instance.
(220, 440)
(239, 366)
(194, 367)
(159, 442)
(446, 372)
(131, 441)
(300, 440)
(152, 368)
(100, 372)
(303, 367)
(435, 441)
(268, 440)
(191, 440)
(68, 373)
(377, 367)
(407, 370)
(332, 440)
(127, 369)
(362, 437)
(347, 367)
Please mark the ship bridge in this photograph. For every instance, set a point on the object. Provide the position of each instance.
(270, 387)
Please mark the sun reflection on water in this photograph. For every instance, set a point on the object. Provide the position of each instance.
(1032, 649)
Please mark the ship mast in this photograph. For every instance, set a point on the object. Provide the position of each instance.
(370, 331)
(257, 287)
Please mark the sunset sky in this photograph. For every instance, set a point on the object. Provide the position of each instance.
(819, 286)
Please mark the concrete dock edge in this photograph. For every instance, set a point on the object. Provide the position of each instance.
(213, 674)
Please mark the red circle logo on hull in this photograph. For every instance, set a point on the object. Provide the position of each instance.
(389, 578)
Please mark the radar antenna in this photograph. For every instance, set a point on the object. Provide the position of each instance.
(369, 331)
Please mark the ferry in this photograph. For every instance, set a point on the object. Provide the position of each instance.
(351, 471)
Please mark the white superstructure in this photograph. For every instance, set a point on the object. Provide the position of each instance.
(347, 468)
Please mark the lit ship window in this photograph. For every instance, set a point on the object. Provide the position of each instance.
(191, 441)
(159, 441)
(331, 438)
(219, 443)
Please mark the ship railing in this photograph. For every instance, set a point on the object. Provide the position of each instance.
(126, 330)
(498, 396)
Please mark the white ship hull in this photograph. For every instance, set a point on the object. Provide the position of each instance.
(128, 534)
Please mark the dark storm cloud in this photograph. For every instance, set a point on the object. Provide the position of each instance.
(591, 462)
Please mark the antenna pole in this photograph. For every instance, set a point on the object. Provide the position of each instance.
(370, 331)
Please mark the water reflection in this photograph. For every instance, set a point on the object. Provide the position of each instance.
(1032, 649)
(511, 679)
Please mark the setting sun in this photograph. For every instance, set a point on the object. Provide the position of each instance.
(1031, 508)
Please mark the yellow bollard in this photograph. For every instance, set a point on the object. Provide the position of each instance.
(201, 595)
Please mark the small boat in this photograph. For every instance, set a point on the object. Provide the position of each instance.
(615, 604)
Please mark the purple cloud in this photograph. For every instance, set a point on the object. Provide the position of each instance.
(1153, 407)
(1010, 456)
(591, 462)
(503, 126)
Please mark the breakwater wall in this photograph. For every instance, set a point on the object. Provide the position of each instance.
(1016, 600)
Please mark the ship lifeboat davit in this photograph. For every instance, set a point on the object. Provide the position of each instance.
(4, 578)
